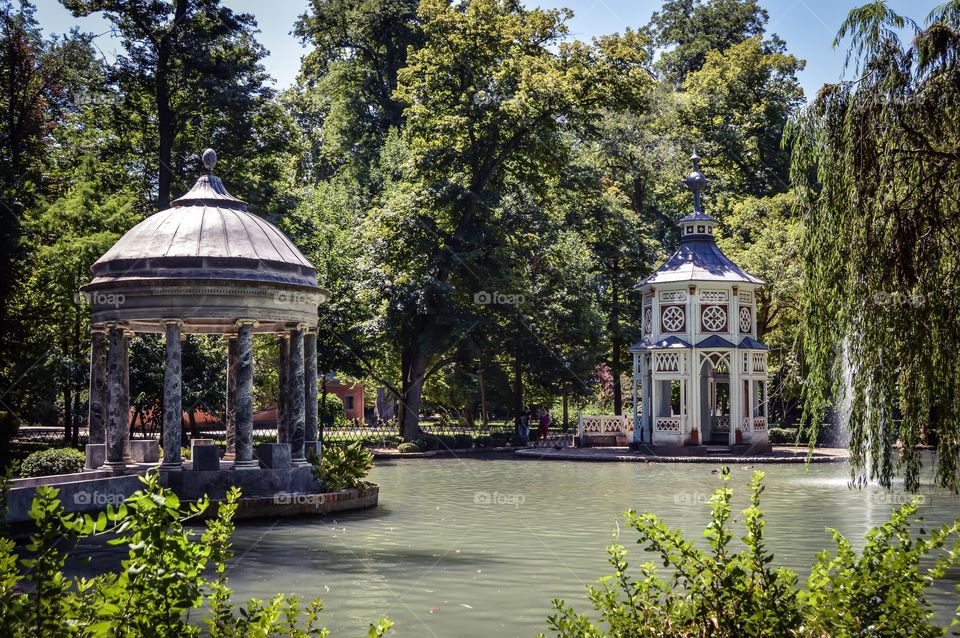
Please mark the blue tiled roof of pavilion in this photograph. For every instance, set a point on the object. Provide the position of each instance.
(699, 258)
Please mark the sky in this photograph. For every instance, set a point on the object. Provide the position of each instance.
(808, 27)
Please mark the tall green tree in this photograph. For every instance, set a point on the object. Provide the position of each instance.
(877, 168)
(686, 31)
(491, 92)
(39, 78)
(190, 72)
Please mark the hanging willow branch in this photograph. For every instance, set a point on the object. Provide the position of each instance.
(876, 164)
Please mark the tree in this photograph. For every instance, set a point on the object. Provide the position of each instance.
(877, 171)
(345, 99)
(764, 237)
(736, 107)
(38, 78)
(490, 93)
(191, 69)
(64, 240)
(688, 30)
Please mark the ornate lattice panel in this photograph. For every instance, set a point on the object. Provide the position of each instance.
(759, 362)
(746, 320)
(673, 319)
(604, 424)
(759, 423)
(746, 362)
(745, 426)
(647, 320)
(713, 318)
(668, 361)
(713, 295)
(669, 424)
(673, 296)
(745, 296)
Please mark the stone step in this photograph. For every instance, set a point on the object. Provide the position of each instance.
(719, 450)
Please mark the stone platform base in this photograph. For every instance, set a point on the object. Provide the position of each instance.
(303, 503)
(191, 485)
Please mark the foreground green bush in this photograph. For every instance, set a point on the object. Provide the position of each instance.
(722, 594)
(408, 448)
(63, 460)
(157, 587)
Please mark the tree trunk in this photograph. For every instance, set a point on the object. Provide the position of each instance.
(483, 393)
(616, 364)
(517, 393)
(165, 115)
(323, 408)
(566, 410)
(413, 366)
(194, 433)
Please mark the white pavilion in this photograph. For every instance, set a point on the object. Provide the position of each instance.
(699, 370)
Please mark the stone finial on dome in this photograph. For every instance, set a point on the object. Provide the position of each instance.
(209, 159)
(696, 182)
(209, 190)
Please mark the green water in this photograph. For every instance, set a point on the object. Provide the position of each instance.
(441, 561)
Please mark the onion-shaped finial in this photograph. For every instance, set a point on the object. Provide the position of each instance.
(209, 159)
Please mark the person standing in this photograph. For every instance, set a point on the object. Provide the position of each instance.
(525, 425)
(544, 424)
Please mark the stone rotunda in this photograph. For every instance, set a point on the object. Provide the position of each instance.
(699, 371)
(206, 265)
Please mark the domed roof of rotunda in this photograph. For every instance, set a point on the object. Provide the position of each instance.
(206, 234)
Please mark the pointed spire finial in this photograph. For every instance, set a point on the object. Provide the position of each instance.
(209, 159)
(696, 182)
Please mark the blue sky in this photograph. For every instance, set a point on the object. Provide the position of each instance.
(808, 26)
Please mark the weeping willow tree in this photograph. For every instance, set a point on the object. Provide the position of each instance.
(876, 164)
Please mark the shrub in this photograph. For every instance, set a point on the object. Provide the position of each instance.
(783, 436)
(156, 587)
(332, 407)
(483, 441)
(878, 591)
(343, 466)
(63, 460)
(462, 441)
(407, 448)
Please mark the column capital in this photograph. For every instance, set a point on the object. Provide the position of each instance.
(98, 328)
(302, 327)
(253, 323)
(176, 322)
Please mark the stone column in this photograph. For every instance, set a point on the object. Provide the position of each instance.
(127, 334)
(296, 396)
(97, 413)
(283, 389)
(231, 412)
(244, 403)
(310, 392)
(118, 411)
(172, 398)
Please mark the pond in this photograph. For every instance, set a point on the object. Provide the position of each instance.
(480, 547)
